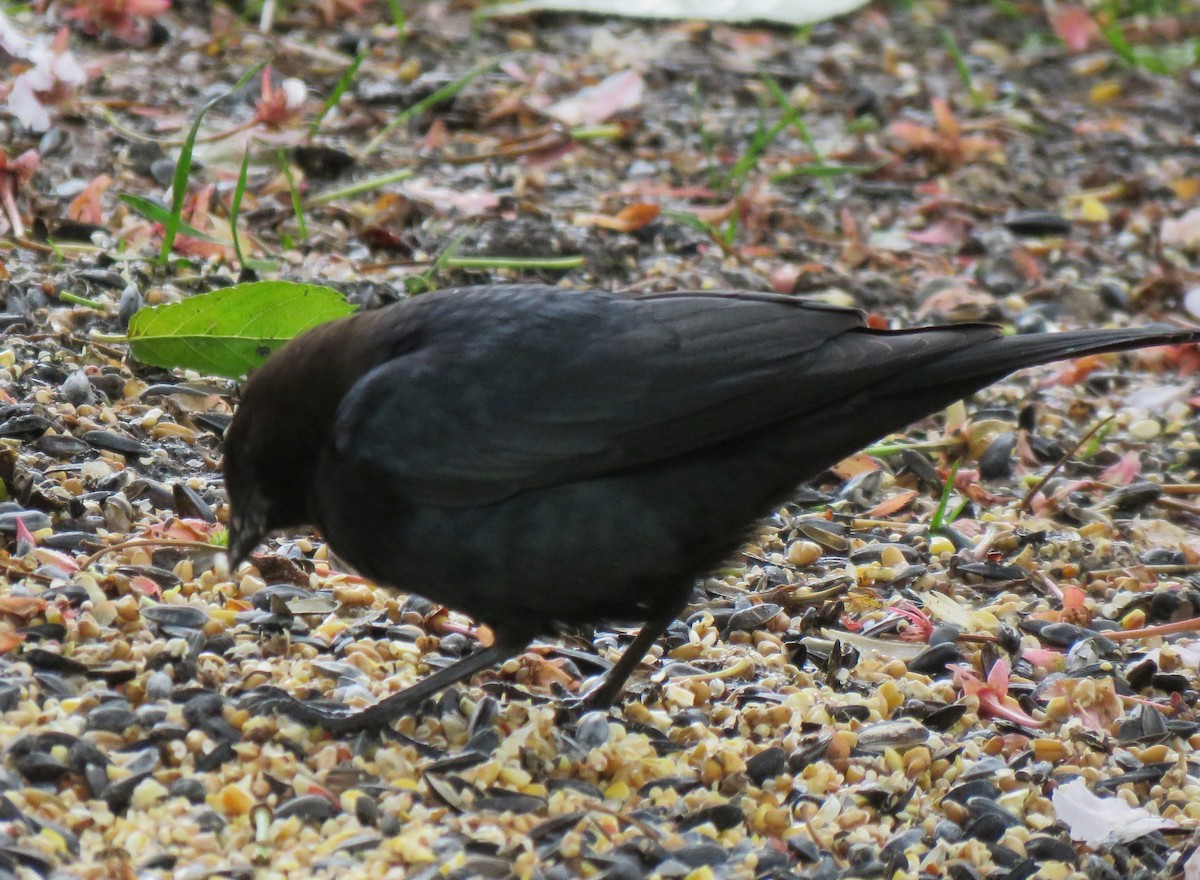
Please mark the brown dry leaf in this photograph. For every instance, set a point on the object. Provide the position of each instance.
(859, 463)
(85, 207)
(854, 252)
(953, 299)
(628, 219)
(893, 505)
(614, 94)
(23, 607)
(198, 217)
(948, 231)
(945, 143)
(716, 214)
(543, 672)
(1075, 26)
(445, 200)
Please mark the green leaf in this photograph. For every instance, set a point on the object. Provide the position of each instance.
(156, 213)
(230, 331)
(690, 220)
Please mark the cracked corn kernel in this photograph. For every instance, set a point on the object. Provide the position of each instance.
(803, 553)
(234, 800)
(940, 545)
(917, 761)
(1046, 749)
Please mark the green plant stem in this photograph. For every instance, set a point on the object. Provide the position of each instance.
(553, 263)
(442, 94)
(882, 450)
(76, 299)
(358, 188)
(597, 132)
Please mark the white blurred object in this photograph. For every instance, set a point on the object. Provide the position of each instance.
(790, 12)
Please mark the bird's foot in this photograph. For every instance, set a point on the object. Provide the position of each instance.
(272, 700)
(599, 696)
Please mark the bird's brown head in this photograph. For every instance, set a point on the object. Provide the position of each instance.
(284, 421)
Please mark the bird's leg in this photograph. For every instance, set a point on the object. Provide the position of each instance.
(606, 692)
(387, 710)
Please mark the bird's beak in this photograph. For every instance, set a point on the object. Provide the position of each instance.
(247, 526)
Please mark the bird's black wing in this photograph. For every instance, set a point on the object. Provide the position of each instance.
(516, 388)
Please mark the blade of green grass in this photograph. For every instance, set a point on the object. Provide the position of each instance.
(939, 518)
(359, 187)
(791, 115)
(597, 132)
(760, 141)
(690, 220)
(1093, 446)
(960, 64)
(423, 283)
(235, 207)
(156, 213)
(822, 170)
(399, 20)
(445, 92)
(339, 89)
(286, 167)
(183, 167)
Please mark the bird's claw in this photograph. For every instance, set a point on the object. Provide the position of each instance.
(270, 700)
(595, 698)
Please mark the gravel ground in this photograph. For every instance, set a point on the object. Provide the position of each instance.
(857, 695)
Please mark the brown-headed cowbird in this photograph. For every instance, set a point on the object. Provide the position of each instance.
(534, 456)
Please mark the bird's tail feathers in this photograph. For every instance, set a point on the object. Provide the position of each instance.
(998, 356)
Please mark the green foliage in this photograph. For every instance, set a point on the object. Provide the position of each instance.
(399, 20)
(445, 93)
(339, 89)
(943, 516)
(183, 168)
(157, 213)
(297, 208)
(960, 65)
(235, 206)
(230, 331)
(1166, 59)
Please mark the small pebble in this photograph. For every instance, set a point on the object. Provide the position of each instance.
(77, 390)
(1146, 429)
